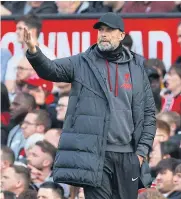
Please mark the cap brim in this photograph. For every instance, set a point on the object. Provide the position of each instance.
(98, 24)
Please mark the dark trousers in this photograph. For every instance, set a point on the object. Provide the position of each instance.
(120, 178)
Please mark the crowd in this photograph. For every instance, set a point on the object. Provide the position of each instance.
(33, 110)
(77, 7)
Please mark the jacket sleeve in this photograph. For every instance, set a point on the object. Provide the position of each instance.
(58, 70)
(149, 125)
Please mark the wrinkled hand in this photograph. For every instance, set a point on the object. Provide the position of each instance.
(140, 159)
(28, 39)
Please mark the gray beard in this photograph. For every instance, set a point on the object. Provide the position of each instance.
(108, 47)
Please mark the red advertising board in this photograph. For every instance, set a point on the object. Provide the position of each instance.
(153, 37)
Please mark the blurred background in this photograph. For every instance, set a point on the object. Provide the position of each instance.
(33, 109)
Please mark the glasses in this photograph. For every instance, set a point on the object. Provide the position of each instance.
(61, 105)
(29, 123)
(22, 68)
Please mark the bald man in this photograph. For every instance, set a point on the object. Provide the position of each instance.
(24, 70)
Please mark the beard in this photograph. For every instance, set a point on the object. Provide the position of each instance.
(106, 47)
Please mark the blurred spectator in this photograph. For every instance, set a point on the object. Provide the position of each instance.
(81, 194)
(31, 7)
(31, 141)
(22, 104)
(172, 99)
(72, 7)
(151, 194)
(24, 71)
(162, 131)
(159, 66)
(7, 158)
(127, 41)
(116, 6)
(62, 107)
(33, 24)
(35, 122)
(163, 150)
(77, 7)
(165, 172)
(41, 90)
(177, 6)
(50, 190)
(5, 115)
(148, 6)
(178, 61)
(5, 56)
(7, 195)
(40, 160)
(52, 136)
(154, 79)
(177, 178)
(15, 179)
(173, 119)
(29, 194)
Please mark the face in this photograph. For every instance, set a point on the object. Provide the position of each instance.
(52, 136)
(63, 6)
(24, 70)
(18, 107)
(62, 108)
(161, 135)
(155, 155)
(20, 31)
(173, 80)
(30, 125)
(177, 181)
(37, 158)
(4, 164)
(37, 92)
(81, 195)
(179, 35)
(45, 193)
(109, 39)
(164, 181)
(9, 180)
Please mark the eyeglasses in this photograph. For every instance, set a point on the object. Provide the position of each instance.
(61, 105)
(22, 68)
(29, 123)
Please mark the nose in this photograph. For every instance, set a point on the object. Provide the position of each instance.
(158, 177)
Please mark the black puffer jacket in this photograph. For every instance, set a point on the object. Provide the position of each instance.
(80, 156)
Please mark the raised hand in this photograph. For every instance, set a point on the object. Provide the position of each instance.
(29, 41)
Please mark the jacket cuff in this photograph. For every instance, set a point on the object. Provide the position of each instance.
(31, 55)
(142, 150)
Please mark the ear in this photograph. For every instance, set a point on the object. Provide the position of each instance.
(122, 35)
(46, 162)
(19, 183)
(166, 156)
(40, 128)
(5, 164)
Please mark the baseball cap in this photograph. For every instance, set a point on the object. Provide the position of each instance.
(113, 20)
(36, 81)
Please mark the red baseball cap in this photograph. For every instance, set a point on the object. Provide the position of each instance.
(36, 81)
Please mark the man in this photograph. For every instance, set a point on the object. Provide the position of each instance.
(62, 107)
(110, 121)
(49, 190)
(52, 136)
(35, 122)
(165, 173)
(22, 104)
(34, 25)
(15, 179)
(178, 61)
(41, 90)
(7, 158)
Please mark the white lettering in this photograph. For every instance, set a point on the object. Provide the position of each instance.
(75, 43)
(160, 36)
(137, 42)
(63, 47)
(85, 41)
